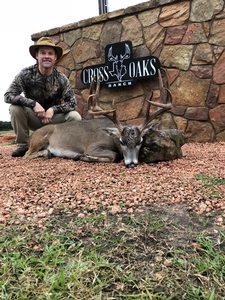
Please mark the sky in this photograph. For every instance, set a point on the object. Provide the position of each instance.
(22, 18)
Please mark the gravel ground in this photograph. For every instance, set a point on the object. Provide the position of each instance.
(34, 190)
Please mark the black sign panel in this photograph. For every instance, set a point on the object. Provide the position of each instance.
(120, 69)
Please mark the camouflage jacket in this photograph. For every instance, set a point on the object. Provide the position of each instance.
(53, 91)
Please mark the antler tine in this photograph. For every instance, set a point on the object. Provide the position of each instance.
(147, 107)
(114, 117)
(165, 96)
(95, 109)
(165, 93)
(93, 99)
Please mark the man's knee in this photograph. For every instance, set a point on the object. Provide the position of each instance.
(20, 111)
(73, 116)
(15, 110)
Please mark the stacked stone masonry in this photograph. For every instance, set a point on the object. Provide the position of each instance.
(188, 37)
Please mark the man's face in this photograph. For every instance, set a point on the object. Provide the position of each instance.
(46, 57)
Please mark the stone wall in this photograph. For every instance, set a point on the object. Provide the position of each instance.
(187, 37)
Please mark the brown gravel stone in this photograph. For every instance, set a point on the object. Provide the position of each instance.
(39, 188)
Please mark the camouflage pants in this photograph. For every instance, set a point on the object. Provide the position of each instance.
(23, 120)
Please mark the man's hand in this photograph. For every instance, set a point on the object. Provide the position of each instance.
(39, 111)
(48, 116)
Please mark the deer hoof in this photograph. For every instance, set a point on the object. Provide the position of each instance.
(48, 155)
(77, 157)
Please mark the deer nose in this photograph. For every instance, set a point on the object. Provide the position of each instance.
(131, 165)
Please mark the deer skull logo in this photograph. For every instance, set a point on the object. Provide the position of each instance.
(119, 68)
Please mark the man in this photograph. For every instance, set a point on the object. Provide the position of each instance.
(47, 95)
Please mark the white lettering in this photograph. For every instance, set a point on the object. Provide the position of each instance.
(106, 78)
(145, 68)
(152, 66)
(138, 70)
(84, 78)
(132, 69)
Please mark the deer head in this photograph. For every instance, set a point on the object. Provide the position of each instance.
(130, 137)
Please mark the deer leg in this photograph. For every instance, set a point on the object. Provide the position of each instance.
(42, 153)
(107, 157)
(89, 158)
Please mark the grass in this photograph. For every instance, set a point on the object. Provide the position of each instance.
(106, 257)
(6, 131)
(112, 257)
(210, 185)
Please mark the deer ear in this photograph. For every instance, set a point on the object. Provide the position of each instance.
(150, 127)
(112, 132)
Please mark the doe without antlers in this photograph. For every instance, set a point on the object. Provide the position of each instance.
(98, 139)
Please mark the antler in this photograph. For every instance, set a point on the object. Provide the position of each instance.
(95, 109)
(111, 57)
(164, 105)
(126, 54)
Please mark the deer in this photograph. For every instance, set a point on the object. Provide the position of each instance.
(100, 139)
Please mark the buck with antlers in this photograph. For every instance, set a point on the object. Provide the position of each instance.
(98, 139)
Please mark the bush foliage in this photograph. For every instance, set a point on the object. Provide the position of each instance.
(4, 125)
